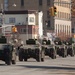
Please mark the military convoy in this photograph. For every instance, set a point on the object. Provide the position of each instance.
(36, 50)
(32, 49)
(49, 48)
(7, 52)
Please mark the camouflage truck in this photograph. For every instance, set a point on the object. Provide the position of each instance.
(60, 48)
(32, 49)
(70, 47)
(7, 52)
(49, 48)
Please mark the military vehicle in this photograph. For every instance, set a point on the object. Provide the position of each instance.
(7, 52)
(32, 49)
(49, 48)
(60, 47)
(70, 47)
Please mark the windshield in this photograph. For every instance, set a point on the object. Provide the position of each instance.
(4, 46)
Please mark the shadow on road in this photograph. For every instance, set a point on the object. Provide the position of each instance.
(47, 67)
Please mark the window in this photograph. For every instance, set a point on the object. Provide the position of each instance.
(48, 2)
(31, 19)
(5, 4)
(11, 20)
(22, 2)
(23, 30)
(26, 19)
(40, 2)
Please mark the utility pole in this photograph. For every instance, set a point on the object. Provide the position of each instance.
(2, 14)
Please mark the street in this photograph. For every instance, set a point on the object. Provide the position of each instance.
(59, 66)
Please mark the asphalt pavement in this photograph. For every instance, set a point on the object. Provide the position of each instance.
(59, 66)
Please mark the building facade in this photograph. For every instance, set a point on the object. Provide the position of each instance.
(58, 24)
(63, 18)
(28, 22)
(73, 18)
(40, 5)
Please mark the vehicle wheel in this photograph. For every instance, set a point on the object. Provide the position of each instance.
(53, 57)
(38, 57)
(25, 59)
(63, 55)
(8, 62)
(8, 59)
(53, 54)
(42, 59)
(42, 55)
(63, 51)
(20, 57)
(13, 61)
(72, 53)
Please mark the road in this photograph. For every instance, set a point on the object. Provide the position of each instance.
(59, 66)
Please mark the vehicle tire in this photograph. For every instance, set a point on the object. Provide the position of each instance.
(38, 57)
(42, 59)
(20, 56)
(53, 54)
(72, 53)
(63, 52)
(25, 59)
(42, 55)
(8, 62)
(8, 58)
(13, 61)
(20, 59)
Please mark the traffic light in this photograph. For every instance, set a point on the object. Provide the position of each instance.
(74, 35)
(14, 29)
(51, 11)
(55, 10)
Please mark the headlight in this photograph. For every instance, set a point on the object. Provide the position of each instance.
(67, 43)
(14, 48)
(56, 42)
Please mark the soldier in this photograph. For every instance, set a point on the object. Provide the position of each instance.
(36, 41)
(20, 43)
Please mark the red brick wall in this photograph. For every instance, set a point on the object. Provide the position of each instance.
(32, 29)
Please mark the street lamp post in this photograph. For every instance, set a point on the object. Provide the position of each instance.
(2, 14)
